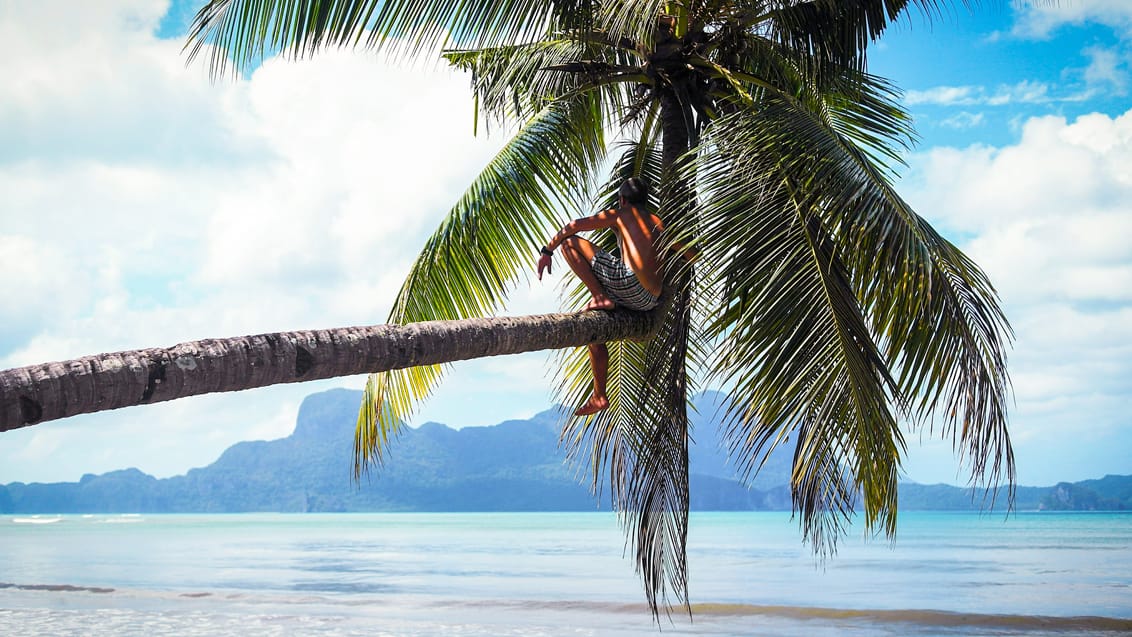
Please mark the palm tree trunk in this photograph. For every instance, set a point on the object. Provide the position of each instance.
(38, 393)
(675, 136)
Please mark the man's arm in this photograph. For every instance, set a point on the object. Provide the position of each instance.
(603, 219)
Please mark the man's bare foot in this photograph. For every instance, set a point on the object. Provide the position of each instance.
(600, 303)
(592, 406)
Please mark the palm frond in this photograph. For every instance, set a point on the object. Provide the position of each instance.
(640, 443)
(950, 345)
(387, 400)
(918, 289)
(852, 120)
(632, 19)
(799, 210)
(861, 108)
(796, 350)
(470, 263)
(657, 499)
(242, 32)
(514, 81)
(574, 15)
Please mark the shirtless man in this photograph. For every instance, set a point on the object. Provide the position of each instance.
(633, 281)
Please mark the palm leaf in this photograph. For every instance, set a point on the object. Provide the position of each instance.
(837, 222)
(860, 107)
(639, 444)
(242, 32)
(796, 350)
(916, 287)
(920, 291)
(632, 19)
(513, 81)
(472, 260)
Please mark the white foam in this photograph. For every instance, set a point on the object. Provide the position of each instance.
(35, 519)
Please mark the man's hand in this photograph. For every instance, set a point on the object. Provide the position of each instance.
(543, 264)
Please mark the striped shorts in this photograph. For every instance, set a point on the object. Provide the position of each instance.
(621, 283)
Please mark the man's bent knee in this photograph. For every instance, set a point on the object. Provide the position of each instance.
(572, 249)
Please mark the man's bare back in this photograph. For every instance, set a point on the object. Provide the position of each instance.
(636, 234)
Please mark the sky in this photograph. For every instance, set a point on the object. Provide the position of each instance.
(143, 205)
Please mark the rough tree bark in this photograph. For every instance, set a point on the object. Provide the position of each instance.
(38, 393)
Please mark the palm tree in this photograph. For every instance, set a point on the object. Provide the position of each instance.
(829, 311)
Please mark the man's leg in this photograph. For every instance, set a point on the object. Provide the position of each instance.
(599, 363)
(579, 253)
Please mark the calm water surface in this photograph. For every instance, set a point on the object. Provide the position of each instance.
(555, 574)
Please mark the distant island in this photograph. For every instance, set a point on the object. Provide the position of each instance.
(513, 466)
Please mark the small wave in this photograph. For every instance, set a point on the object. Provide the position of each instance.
(936, 618)
(56, 588)
(125, 518)
(35, 519)
(921, 617)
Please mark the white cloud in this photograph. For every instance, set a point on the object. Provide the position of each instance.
(1049, 219)
(145, 206)
(963, 120)
(1024, 92)
(944, 95)
(89, 80)
(38, 279)
(1040, 18)
(337, 181)
(1108, 70)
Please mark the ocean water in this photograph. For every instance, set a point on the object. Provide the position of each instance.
(556, 574)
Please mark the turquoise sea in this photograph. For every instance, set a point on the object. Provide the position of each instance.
(556, 574)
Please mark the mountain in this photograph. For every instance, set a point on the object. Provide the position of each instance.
(513, 466)
(1110, 493)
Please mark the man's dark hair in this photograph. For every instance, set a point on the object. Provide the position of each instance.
(634, 190)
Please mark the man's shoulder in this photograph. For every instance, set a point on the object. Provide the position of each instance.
(650, 219)
(632, 210)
